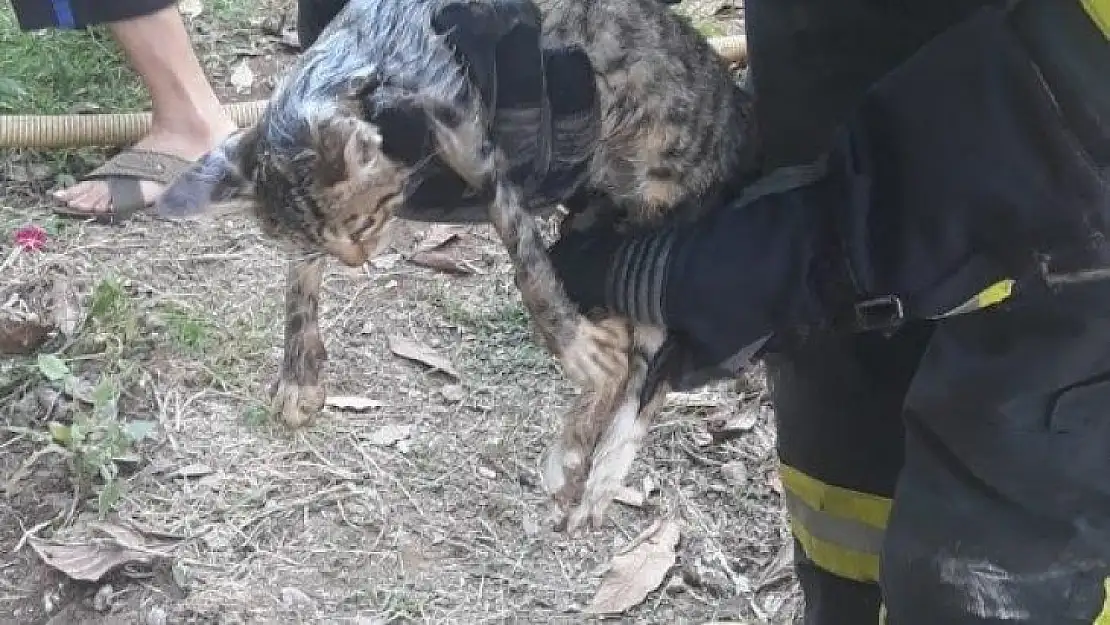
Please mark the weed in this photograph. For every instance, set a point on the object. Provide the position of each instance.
(111, 309)
(188, 331)
(503, 335)
(96, 442)
(256, 415)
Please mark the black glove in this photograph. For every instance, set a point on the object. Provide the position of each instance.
(624, 273)
(956, 173)
(724, 283)
(543, 104)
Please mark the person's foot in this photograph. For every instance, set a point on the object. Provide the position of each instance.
(187, 120)
(187, 141)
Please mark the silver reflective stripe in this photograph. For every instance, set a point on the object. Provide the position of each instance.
(839, 531)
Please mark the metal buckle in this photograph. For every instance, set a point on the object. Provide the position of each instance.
(1057, 279)
(880, 313)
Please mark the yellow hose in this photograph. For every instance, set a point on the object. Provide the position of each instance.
(118, 129)
(110, 129)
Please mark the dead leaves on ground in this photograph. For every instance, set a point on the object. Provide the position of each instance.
(30, 314)
(439, 250)
(242, 77)
(98, 548)
(352, 403)
(416, 351)
(638, 569)
(389, 435)
(20, 336)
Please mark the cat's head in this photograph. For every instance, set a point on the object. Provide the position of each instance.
(316, 184)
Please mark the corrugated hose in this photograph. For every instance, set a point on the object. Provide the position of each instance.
(118, 129)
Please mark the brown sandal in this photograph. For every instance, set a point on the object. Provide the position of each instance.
(123, 173)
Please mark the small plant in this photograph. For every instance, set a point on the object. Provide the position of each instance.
(97, 442)
(113, 321)
(256, 415)
(188, 331)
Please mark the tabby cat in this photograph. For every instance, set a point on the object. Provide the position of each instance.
(320, 172)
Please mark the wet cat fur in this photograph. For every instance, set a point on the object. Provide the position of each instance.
(326, 167)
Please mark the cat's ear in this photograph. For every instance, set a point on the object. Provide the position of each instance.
(344, 148)
(222, 175)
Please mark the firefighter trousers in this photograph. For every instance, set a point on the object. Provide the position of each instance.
(956, 473)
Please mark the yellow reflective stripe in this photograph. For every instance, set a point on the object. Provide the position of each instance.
(840, 561)
(839, 529)
(989, 296)
(882, 614)
(1099, 11)
(835, 500)
(1103, 617)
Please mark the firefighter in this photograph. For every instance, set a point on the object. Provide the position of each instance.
(922, 265)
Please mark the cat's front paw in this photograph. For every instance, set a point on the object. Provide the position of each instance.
(296, 405)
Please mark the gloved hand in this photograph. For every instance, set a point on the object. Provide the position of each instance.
(722, 284)
(624, 273)
(954, 175)
(542, 101)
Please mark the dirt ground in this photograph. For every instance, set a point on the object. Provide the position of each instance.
(422, 506)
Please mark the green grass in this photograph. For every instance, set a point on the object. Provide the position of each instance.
(188, 331)
(53, 72)
(230, 13)
(503, 335)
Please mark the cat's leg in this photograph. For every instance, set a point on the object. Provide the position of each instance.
(297, 395)
(592, 354)
(592, 458)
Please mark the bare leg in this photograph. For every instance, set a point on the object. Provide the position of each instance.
(187, 118)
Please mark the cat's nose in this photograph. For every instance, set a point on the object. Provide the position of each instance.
(350, 253)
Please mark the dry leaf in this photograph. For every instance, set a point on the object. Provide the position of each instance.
(728, 426)
(242, 78)
(629, 496)
(352, 402)
(735, 473)
(453, 393)
(21, 336)
(438, 236)
(389, 435)
(385, 261)
(291, 39)
(442, 261)
(412, 350)
(190, 8)
(696, 399)
(93, 557)
(191, 470)
(65, 307)
(637, 570)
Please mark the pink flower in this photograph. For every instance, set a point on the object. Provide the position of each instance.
(30, 238)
